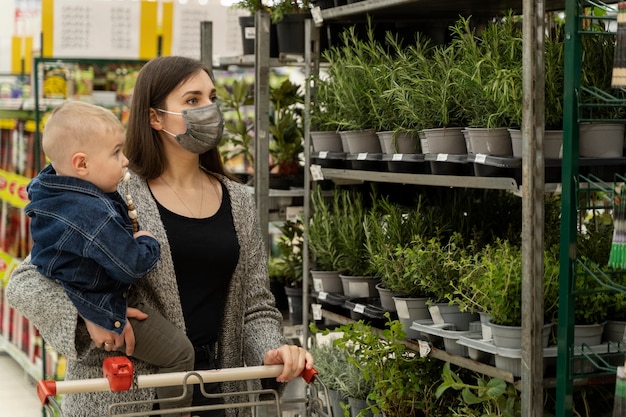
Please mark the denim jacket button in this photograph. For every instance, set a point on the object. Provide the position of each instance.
(117, 324)
(125, 294)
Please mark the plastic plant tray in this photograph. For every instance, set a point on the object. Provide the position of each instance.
(329, 159)
(366, 161)
(449, 164)
(447, 332)
(407, 163)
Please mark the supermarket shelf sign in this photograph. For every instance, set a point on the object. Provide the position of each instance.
(96, 29)
(13, 189)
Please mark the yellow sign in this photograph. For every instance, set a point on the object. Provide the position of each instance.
(13, 189)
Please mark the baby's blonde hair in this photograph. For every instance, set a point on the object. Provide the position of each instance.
(73, 126)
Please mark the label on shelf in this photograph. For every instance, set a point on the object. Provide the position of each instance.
(361, 156)
(480, 158)
(316, 14)
(442, 157)
(397, 157)
(424, 348)
(317, 311)
(316, 172)
(359, 308)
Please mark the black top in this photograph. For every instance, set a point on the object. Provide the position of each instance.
(205, 253)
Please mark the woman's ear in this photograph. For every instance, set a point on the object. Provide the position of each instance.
(155, 123)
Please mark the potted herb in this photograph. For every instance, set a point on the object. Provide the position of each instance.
(401, 381)
(348, 79)
(234, 100)
(357, 278)
(323, 243)
(289, 261)
(286, 127)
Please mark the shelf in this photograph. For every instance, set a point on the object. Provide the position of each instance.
(35, 370)
(346, 176)
(435, 353)
(428, 9)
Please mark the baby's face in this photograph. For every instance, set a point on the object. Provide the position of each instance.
(106, 162)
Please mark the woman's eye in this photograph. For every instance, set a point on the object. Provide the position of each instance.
(192, 101)
(215, 99)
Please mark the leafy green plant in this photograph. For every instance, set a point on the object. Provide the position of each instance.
(489, 72)
(350, 209)
(286, 127)
(429, 265)
(493, 397)
(237, 128)
(322, 233)
(402, 382)
(289, 261)
(490, 281)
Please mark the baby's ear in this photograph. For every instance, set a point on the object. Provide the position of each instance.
(79, 163)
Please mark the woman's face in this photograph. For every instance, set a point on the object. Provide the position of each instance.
(197, 91)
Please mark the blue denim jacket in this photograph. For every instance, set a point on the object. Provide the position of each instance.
(83, 238)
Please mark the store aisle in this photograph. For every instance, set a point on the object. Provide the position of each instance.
(18, 397)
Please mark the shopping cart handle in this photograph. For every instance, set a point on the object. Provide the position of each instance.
(308, 374)
(46, 389)
(119, 371)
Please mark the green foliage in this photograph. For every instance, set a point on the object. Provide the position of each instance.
(493, 397)
(430, 265)
(286, 125)
(402, 382)
(390, 228)
(489, 70)
(237, 129)
(289, 262)
(490, 281)
(322, 233)
(350, 210)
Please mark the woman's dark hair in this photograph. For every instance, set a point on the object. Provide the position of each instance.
(143, 147)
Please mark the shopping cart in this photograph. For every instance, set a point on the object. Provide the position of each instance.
(118, 375)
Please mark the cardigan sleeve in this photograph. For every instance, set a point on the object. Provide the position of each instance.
(45, 304)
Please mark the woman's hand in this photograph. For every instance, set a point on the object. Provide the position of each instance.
(111, 341)
(293, 358)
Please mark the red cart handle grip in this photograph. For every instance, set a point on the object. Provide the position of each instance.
(308, 374)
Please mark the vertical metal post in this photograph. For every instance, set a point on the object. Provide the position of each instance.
(533, 187)
(261, 119)
(311, 62)
(206, 44)
(569, 175)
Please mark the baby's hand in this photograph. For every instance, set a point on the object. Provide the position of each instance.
(143, 233)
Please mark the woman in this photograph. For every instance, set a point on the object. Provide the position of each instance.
(212, 277)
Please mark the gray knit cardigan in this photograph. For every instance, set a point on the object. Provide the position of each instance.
(251, 324)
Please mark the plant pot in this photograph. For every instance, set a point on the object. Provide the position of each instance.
(614, 331)
(410, 309)
(291, 33)
(327, 281)
(495, 142)
(552, 143)
(294, 298)
(510, 337)
(360, 141)
(447, 140)
(590, 334)
(329, 141)
(393, 143)
(248, 35)
(336, 398)
(601, 140)
(449, 313)
(359, 286)
(386, 297)
(356, 406)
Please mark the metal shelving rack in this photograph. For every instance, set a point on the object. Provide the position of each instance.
(577, 110)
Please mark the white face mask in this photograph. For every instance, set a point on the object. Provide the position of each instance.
(204, 128)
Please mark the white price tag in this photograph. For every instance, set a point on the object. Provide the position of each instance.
(361, 156)
(480, 158)
(318, 285)
(396, 157)
(316, 172)
(316, 13)
(317, 311)
(322, 295)
(424, 348)
(359, 308)
(322, 154)
(442, 157)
